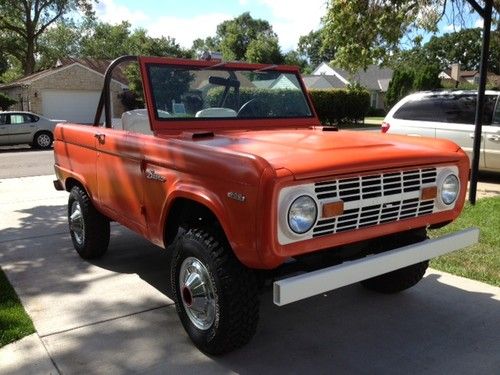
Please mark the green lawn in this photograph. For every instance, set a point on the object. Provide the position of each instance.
(374, 120)
(481, 261)
(14, 322)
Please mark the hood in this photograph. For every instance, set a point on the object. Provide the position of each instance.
(314, 152)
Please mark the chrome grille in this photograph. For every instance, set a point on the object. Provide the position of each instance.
(375, 199)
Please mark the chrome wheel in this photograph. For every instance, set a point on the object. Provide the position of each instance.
(44, 140)
(197, 293)
(76, 223)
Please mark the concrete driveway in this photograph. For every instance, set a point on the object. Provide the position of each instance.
(115, 315)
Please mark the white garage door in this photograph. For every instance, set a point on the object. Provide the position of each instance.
(71, 105)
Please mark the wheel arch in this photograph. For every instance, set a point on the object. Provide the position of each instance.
(187, 208)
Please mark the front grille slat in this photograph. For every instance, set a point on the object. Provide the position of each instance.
(398, 189)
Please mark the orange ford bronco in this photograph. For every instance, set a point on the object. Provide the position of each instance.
(230, 169)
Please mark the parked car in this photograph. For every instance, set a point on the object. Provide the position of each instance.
(450, 115)
(18, 127)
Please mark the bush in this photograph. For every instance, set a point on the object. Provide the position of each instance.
(335, 106)
(376, 112)
(332, 106)
(6, 102)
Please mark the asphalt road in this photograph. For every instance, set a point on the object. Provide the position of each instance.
(23, 161)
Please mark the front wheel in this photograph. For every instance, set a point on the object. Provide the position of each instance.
(89, 229)
(404, 278)
(215, 295)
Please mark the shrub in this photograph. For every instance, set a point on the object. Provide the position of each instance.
(6, 102)
(334, 106)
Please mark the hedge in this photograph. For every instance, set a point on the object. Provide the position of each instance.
(332, 106)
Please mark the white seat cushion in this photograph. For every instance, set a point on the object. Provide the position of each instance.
(216, 112)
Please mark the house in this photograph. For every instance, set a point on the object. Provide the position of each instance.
(68, 91)
(455, 76)
(375, 79)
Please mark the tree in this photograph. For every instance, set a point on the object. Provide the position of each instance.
(294, 58)
(235, 37)
(314, 48)
(264, 50)
(410, 79)
(106, 41)
(59, 42)
(366, 32)
(26, 20)
(401, 85)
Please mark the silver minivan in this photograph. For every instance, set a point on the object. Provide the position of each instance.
(18, 127)
(450, 115)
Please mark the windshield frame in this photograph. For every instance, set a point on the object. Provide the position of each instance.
(188, 124)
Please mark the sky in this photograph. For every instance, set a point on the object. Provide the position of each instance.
(187, 20)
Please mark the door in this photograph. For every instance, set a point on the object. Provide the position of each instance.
(119, 177)
(459, 127)
(21, 128)
(4, 131)
(492, 141)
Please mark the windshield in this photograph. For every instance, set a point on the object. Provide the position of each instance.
(191, 93)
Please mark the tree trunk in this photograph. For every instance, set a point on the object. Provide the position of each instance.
(29, 67)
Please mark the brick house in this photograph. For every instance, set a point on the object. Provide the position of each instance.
(69, 91)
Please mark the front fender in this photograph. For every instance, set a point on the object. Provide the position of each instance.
(229, 213)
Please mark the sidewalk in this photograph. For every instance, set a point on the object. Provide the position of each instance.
(115, 315)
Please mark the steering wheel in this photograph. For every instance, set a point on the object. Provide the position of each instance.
(253, 108)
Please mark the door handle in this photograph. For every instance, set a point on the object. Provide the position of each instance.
(471, 135)
(101, 138)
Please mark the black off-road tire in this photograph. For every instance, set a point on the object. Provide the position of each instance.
(404, 278)
(43, 140)
(92, 240)
(234, 290)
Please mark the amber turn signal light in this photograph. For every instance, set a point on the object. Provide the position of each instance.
(428, 193)
(333, 209)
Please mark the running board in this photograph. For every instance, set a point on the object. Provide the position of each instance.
(306, 285)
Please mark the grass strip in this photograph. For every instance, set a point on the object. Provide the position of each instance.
(481, 261)
(14, 322)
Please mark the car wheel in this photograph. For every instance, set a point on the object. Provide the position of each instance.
(404, 278)
(43, 140)
(216, 296)
(89, 229)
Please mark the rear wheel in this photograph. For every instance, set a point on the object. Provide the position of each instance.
(404, 278)
(215, 295)
(89, 229)
(43, 140)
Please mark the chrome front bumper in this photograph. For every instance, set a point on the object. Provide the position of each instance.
(306, 285)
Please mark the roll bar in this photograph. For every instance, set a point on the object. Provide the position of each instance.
(105, 99)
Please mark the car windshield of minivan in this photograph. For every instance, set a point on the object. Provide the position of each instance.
(190, 93)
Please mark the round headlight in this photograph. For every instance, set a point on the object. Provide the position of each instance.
(302, 214)
(449, 189)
